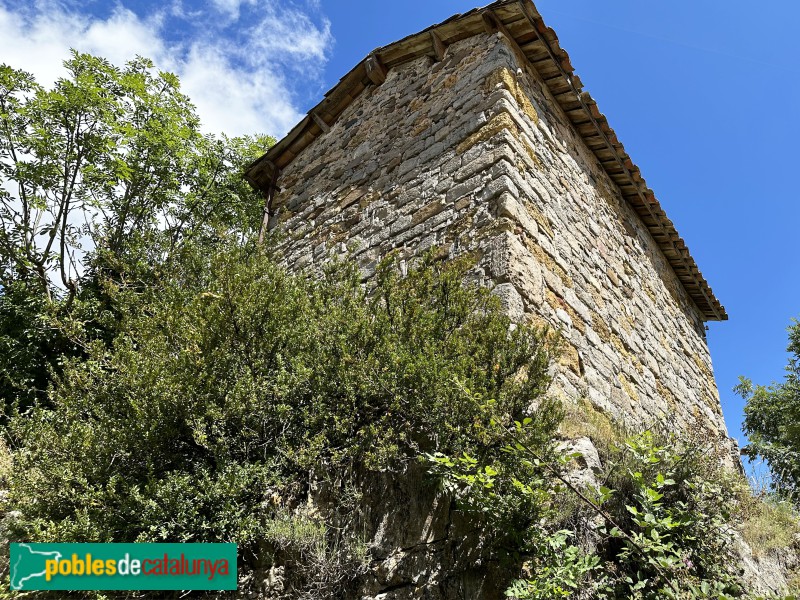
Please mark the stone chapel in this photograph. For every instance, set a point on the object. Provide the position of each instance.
(476, 136)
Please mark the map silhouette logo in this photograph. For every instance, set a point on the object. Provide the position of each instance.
(27, 564)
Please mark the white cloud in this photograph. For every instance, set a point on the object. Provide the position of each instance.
(239, 76)
(230, 8)
(236, 100)
(290, 33)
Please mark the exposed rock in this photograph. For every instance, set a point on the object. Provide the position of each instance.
(767, 574)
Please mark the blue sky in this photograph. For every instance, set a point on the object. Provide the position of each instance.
(700, 92)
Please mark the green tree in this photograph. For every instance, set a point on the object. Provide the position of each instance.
(106, 180)
(772, 421)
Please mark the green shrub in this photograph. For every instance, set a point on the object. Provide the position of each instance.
(226, 390)
(671, 502)
(657, 527)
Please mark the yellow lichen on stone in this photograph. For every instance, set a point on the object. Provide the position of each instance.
(650, 293)
(416, 104)
(491, 128)
(368, 199)
(547, 261)
(628, 323)
(666, 394)
(603, 331)
(503, 120)
(421, 125)
(509, 81)
(703, 368)
(628, 387)
(555, 302)
(529, 150)
(628, 269)
(450, 81)
(534, 320)
(542, 221)
(619, 345)
(599, 300)
(667, 346)
(570, 358)
(600, 327)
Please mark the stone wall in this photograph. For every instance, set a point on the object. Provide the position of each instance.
(472, 154)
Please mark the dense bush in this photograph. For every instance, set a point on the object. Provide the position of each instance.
(219, 397)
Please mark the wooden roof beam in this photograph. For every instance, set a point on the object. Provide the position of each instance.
(320, 123)
(439, 47)
(376, 70)
(493, 24)
(490, 23)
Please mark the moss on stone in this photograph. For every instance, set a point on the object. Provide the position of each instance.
(584, 419)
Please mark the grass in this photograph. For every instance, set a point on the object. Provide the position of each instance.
(583, 419)
(770, 525)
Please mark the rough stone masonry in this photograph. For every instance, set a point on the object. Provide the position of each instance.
(468, 150)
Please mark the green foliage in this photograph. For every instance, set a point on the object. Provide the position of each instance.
(772, 421)
(557, 569)
(111, 162)
(107, 183)
(658, 527)
(217, 399)
(323, 559)
(29, 345)
(671, 506)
